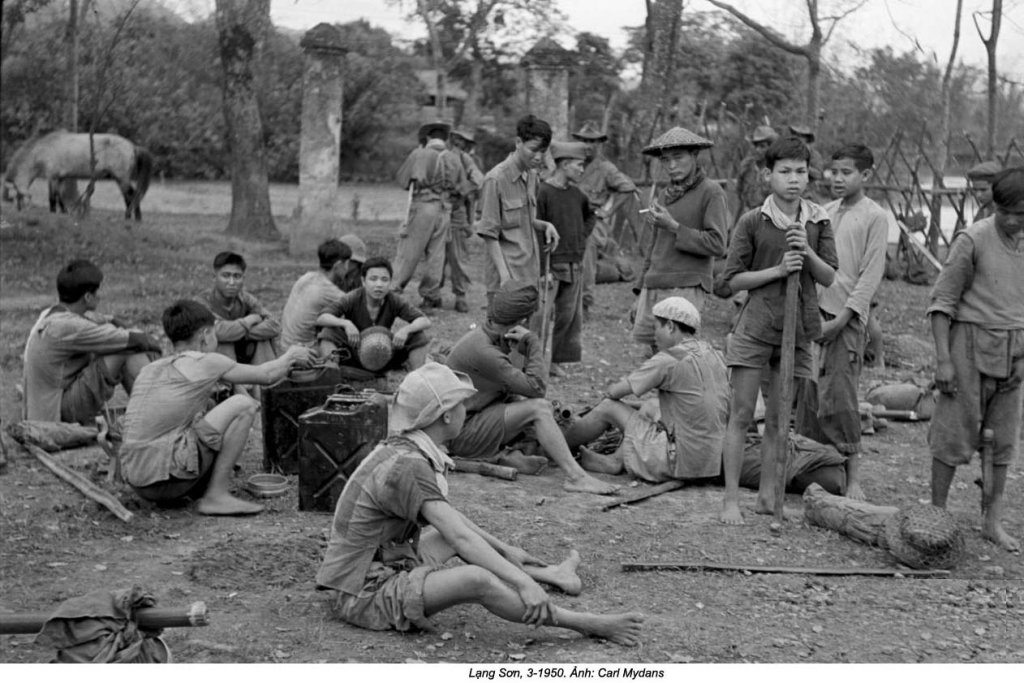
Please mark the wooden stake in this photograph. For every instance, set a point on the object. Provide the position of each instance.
(147, 618)
(649, 493)
(84, 486)
(987, 435)
(546, 323)
(778, 448)
(757, 569)
(486, 469)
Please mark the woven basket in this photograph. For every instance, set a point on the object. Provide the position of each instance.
(924, 537)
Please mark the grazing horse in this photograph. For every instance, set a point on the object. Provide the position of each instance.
(62, 155)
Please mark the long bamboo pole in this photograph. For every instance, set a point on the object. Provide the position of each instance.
(147, 618)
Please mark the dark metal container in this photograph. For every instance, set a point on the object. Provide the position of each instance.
(284, 402)
(333, 439)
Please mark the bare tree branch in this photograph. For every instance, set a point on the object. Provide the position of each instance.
(835, 19)
(768, 34)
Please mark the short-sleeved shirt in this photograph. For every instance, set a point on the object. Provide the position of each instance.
(378, 515)
(311, 295)
(228, 312)
(757, 244)
(59, 346)
(159, 441)
(693, 394)
(352, 306)
(437, 172)
(508, 206)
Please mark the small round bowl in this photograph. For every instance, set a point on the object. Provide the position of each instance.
(267, 485)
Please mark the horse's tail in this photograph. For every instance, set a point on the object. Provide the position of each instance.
(143, 172)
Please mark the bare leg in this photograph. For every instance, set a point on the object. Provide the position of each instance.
(993, 527)
(745, 383)
(233, 418)
(538, 412)
(417, 358)
(942, 477)
(853, 489)
(525, 464)
(126, 367)
(592, 461)
(606, 414)
(470, 584)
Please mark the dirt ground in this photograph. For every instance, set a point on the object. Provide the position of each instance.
(256, 574)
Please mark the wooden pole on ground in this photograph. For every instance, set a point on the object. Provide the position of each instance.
(147, 618)
(779, 446)
(83, 485)
(546, 323)
(485, 469)
(759, 569)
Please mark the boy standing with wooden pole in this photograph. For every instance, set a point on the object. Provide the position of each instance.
(785, 242)
(977, 319)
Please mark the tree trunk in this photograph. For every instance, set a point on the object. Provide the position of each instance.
(436, 60)
(813, 84)
(470, 114)
(68, 188)
(942, 144)
(993, 74)
(241, 28)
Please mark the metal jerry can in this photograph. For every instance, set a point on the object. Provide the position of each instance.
(333, 440)
(284, 402)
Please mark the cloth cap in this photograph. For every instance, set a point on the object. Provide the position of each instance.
(590, 132)
(679, 309)
(514, 301)
(764, 134)
(375, 349)
(561, 149)
(464, 134)
(802, 131)
(427, 128)
(676, 137)
(357, 246)
(427, 393)
(984, 171)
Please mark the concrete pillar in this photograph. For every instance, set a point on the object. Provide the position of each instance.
(316, 215)
(546, 74)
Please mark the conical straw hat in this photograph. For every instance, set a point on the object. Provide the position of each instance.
(676, 137)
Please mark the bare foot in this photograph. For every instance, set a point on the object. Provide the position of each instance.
(563, 576)
(855, 492)
(623, 628)
(526, 464)
(598, 462)
(765, 503)
(226, 504)
(556, 370)
(588, 484)
(994, 532)
(731, 514)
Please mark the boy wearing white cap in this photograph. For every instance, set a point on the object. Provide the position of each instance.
(393, 530)
(678, 435)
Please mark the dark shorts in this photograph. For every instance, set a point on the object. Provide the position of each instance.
(83, 399)
(179, 487)
(745, 352)
(482, 435)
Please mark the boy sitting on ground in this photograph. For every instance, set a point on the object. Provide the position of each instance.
(74, 359)
(787, 234)
(509, 400)
(176, 447)
(314, 294)
(680, 435)
(394, 529)
(375, 305)
(977, 319)
(245, 330)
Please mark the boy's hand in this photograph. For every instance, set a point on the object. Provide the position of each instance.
(661, 218)
(536, 600)
(945, 377)
(252, 319)
(400, 337)
(796, 238)
(299, 356)
(517, 334)
(519, 557)
(351, 332)
(1016, 375)
(830, 329)
(792, 262)
(550, 234)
